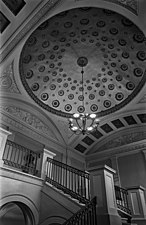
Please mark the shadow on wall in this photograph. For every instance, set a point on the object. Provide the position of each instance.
(15, 213)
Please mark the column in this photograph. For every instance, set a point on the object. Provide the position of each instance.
(46, 154)
(3, 138)
(102, 186)
(137, 202)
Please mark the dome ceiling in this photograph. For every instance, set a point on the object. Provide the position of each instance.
(110, 50)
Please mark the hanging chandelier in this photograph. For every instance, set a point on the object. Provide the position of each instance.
(83, 123)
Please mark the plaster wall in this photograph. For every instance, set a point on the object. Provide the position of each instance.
(132, 170)
(17, 186)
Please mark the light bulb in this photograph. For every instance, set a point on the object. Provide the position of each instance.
(74, 128)
(76, 115)
(89, 128)
(96, 120)
(92, 116)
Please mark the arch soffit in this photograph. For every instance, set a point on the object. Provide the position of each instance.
(22, 199)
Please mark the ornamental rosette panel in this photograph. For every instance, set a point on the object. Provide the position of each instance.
(114, 53)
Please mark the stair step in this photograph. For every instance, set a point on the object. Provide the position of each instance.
(67, 195)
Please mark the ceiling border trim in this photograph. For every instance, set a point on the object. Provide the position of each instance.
(45, 9)
(123, 150)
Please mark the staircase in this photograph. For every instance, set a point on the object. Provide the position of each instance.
(76, 185)
(64, 182)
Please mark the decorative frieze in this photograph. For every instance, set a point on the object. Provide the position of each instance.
(131, 5)
(123, 140)
(28, 118)
(7, 80)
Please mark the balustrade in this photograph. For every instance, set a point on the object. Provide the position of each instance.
(21, 158)
(85, 216)
(122, 199)
(72, 181)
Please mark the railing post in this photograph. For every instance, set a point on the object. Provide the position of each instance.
(102, 186)
(3, 138)
(46, 154)
(137, 201)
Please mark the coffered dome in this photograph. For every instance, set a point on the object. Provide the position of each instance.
(110, 50)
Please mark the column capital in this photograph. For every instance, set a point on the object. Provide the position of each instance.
(136, 188)
(102, 167)
(49, 153)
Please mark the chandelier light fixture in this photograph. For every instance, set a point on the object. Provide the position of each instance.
(83, 123)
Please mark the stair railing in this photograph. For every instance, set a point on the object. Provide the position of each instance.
(21, 158)
(85, 216)
(122, 199)
(70, 180)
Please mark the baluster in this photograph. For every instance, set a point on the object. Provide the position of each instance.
(14, 155)
(61, 174)
(8, 148)
(66, 177)
(54, 178)
(127, 206)
(88, 183)
(58, 172)
(18, 157)
(11, 155)
(21, 159)
(81, 186)
(35, 164)
(78, 183)
(48, 168)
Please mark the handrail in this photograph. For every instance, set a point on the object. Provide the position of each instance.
(85, 216)
(70, 180)
(22, 158)
(122, 199)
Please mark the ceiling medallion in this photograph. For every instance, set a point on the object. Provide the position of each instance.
(54, 54)
(83, 123)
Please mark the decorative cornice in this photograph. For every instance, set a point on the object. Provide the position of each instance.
(7, 80)
(29, 119)
(34, 20)
(131, 5)
(128, 149)
(123, 139)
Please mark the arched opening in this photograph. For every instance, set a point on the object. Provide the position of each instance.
(16, 213)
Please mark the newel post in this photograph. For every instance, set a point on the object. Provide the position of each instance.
(46, 154)
(3, 138)
(137, 201)
(102, 186)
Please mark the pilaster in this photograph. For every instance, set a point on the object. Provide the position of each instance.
(3, 138)
(102, 186)
(137, 201)
(46, 154)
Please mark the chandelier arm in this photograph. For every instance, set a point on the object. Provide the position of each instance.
(78, 124)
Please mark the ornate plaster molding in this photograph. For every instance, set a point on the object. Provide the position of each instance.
(29, 119)
(143, 99)
(123, 139)
(34, 20)
(7, 80)
(131, 5)
(64, 126)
